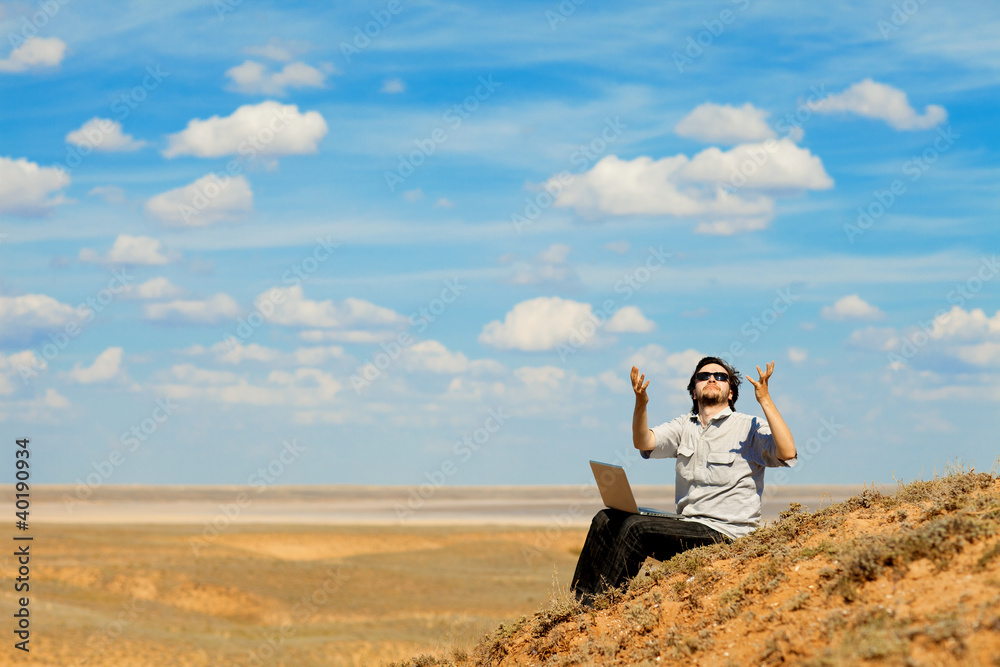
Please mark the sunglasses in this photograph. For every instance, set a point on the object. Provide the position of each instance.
(719, 376)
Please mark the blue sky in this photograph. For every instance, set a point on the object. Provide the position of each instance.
(432, 252)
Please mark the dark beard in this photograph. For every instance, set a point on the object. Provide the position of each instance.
(718, 398)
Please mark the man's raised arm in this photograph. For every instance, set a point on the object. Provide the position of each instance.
(642, 437)
(784, 443)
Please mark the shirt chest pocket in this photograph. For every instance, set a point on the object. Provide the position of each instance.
(721, 468)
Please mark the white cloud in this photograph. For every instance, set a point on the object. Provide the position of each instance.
(23, 316)
(112, 194)
(542, 324)
(25, 187)
(780, 165)
(268, 128)
(216, 309)
(882, 339)
(103, 134)
(207, 200)
(961, 324)
(548, 266)
(10, 366)
(303, 387)
(413, 195)
(877, 100)
(725, 124)
(253, 78)
(126, 249)
(657, 362)
(432, 356)
(444, 203)
(797, 355)
(629, 319)
(36, 52)
(291, 308)
(694, 188)
(620, 247)
(105, 368)
(154, 288)
(393, 86)
(276, 50)
(851, 307)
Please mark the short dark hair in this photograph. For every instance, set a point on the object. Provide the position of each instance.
(734, 381)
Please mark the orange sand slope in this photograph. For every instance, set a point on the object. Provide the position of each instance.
(906, 578)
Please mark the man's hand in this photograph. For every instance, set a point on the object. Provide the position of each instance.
(760, 389)
(642, 437)
(784, 443)
(641, 397)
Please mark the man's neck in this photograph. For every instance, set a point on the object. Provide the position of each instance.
(708, 412)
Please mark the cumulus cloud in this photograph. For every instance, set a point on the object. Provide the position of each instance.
(629, 319)
(393, 86)
(695, 188)
(112, 194)
(961, 324)
(269, 128)
(256, 78)
(303, 387)
(25, 188)
(103, 134)
(144, 250)
(797, 355)
(22, 317)
(234, 352)
(154, 288)
(877, 100)
(35, 53)
(291, 308)
(881, 339)
(105, 368)
(851, 307)
(206, 201)
(540, 324)
(725, 124)
(10, 370)
(213, 310)
(548, 266)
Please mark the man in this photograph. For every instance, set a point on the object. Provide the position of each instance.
(721, 455)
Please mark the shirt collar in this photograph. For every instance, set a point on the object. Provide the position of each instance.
(725, 412)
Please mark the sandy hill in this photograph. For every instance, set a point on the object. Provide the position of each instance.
(910, 578)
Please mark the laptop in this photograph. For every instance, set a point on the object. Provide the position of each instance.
(616, 492)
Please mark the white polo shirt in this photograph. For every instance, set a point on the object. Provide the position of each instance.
(720, 468)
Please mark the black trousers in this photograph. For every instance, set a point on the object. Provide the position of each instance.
(619, 542)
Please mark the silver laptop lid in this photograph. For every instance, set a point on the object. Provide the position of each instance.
(613, 484)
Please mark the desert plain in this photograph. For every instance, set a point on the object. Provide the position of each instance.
(338, 575)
